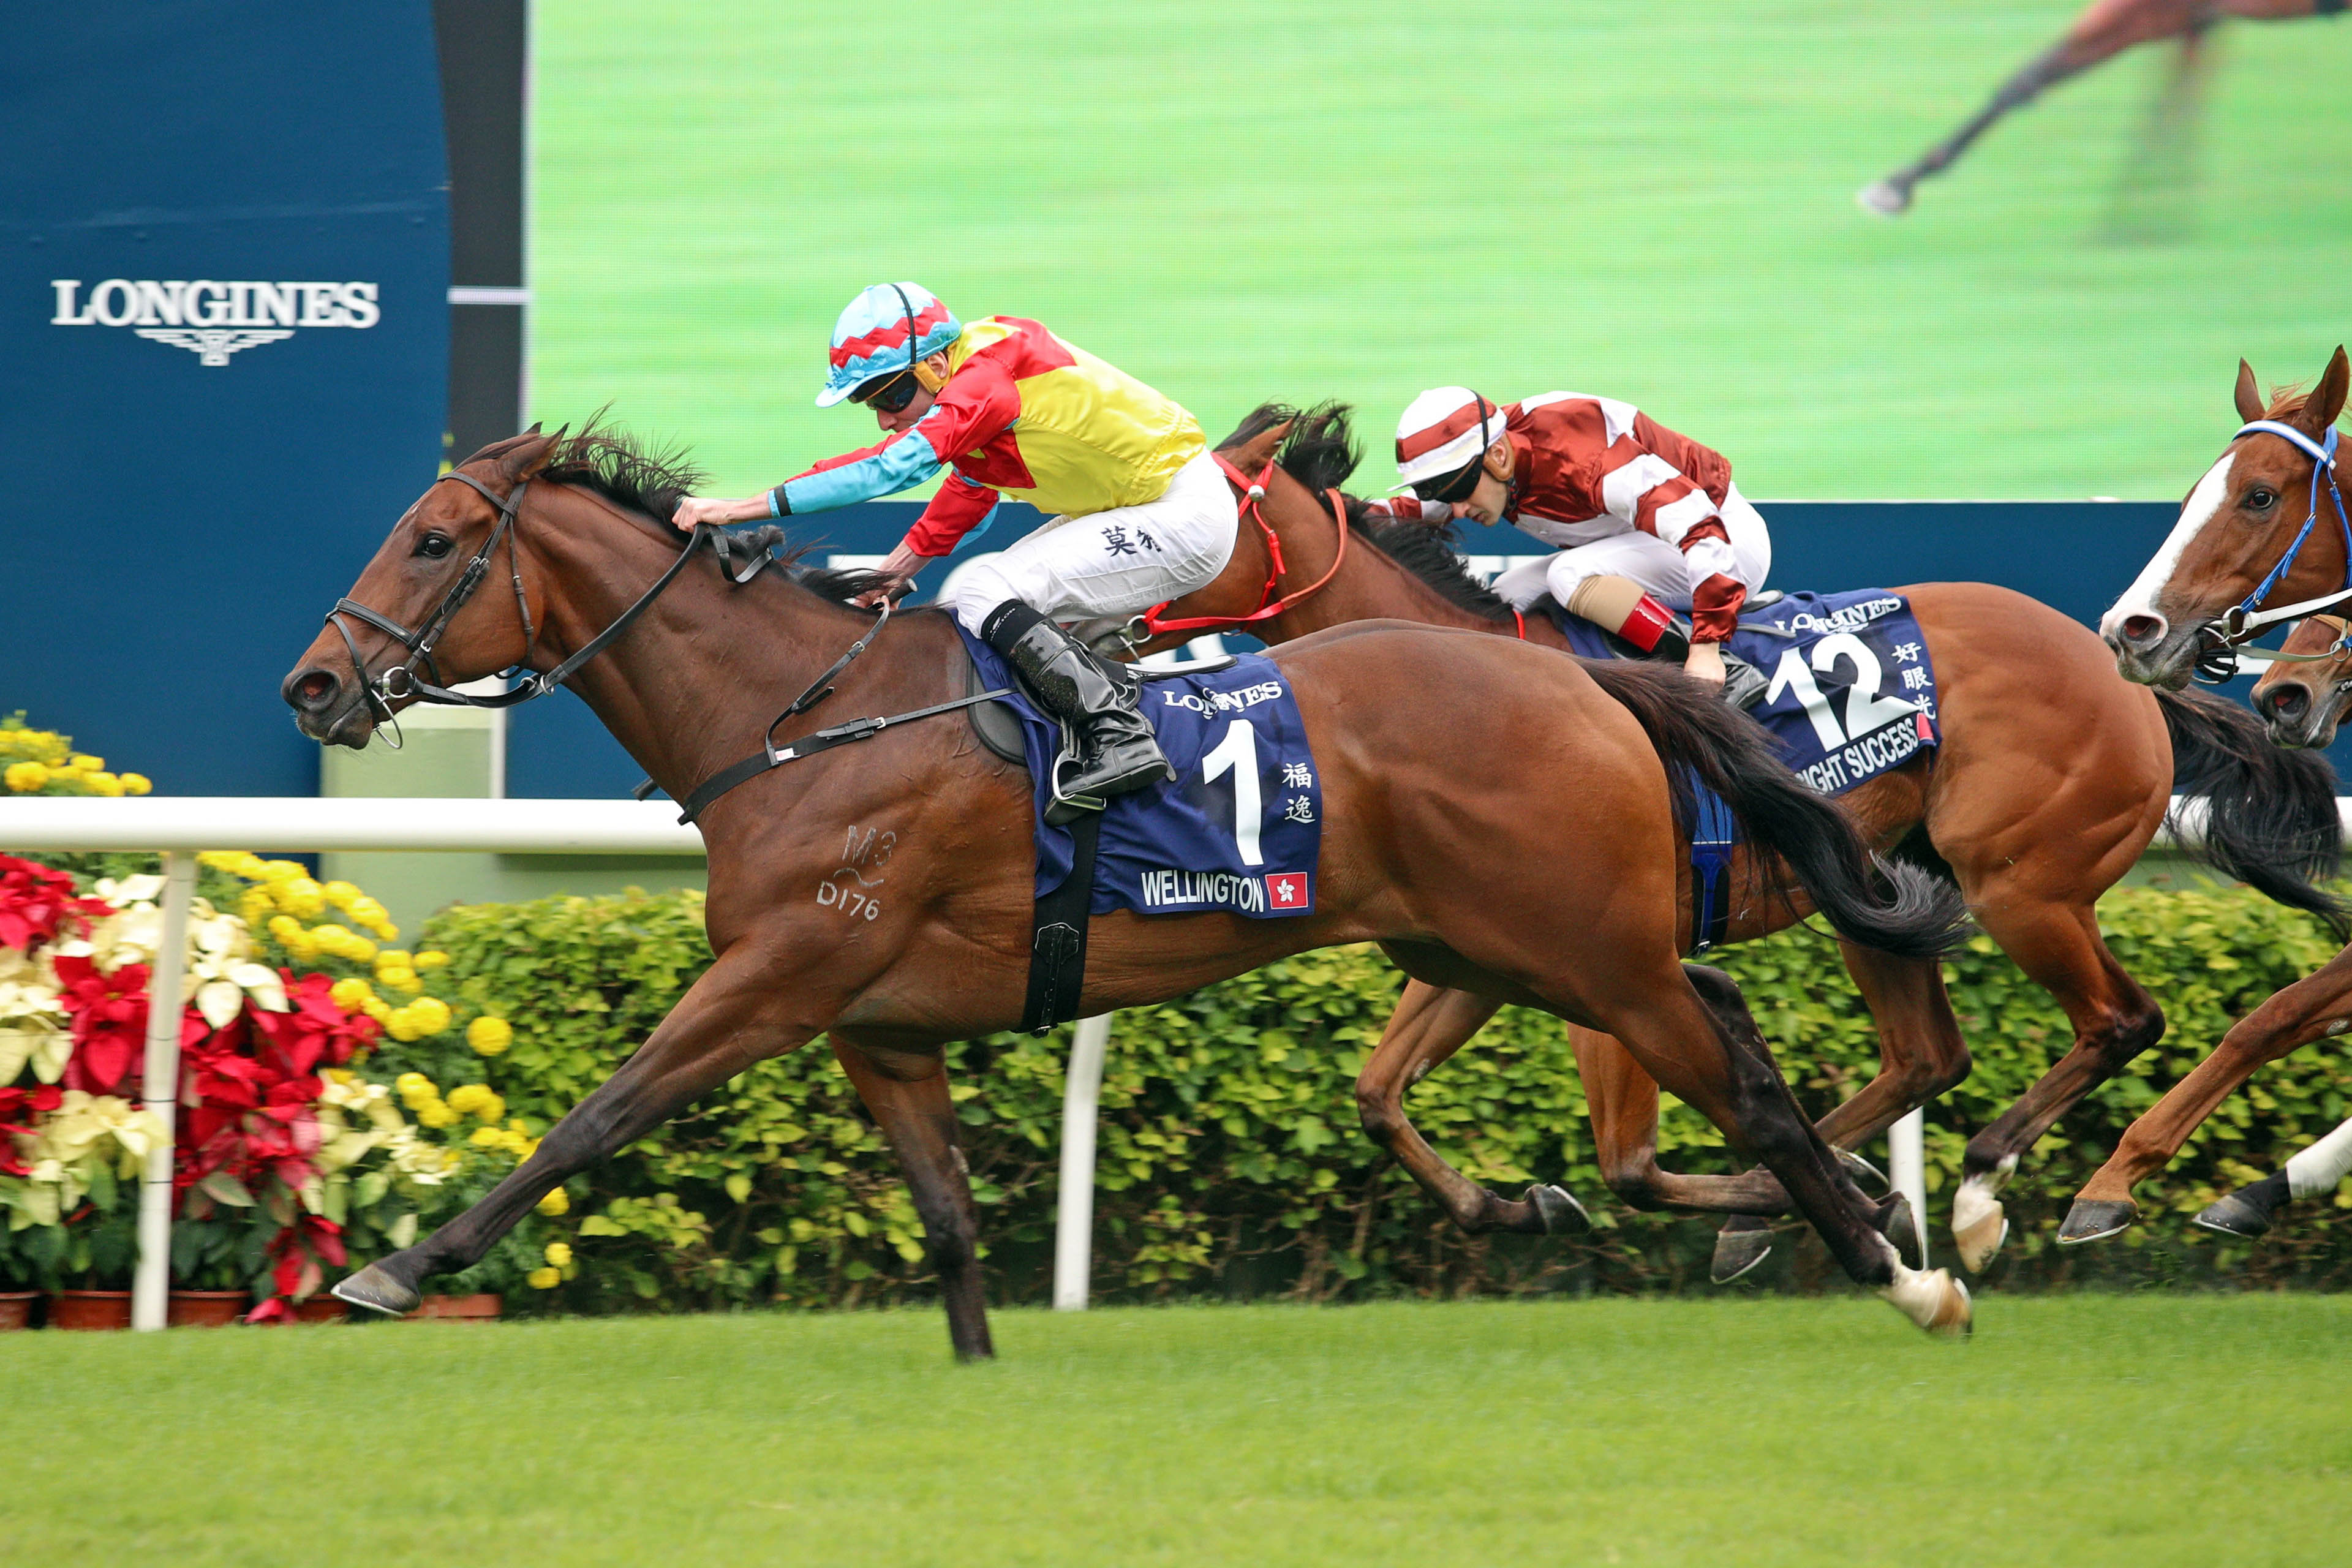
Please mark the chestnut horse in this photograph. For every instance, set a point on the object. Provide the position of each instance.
(2104, 29)
(2265, 522)
(2052, 778)
(1478, 877)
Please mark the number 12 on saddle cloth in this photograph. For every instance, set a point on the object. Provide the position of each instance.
(1853, 689)
(1239, 828)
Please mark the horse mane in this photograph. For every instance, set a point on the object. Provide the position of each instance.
(609, 461)
(1320, 449)
(2287, 401)
(1428, 553)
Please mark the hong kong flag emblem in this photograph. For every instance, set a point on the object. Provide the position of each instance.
(1287, 891)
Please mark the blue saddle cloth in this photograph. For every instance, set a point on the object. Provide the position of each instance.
(1238, 829)
(1853, 689)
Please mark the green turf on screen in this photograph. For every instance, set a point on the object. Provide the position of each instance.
(2094, 1432)
(1362, 200)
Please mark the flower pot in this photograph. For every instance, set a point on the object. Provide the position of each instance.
(16, 1309)
(473, 1309)
(205, 1309)
(319, 1308)
(91, 1310)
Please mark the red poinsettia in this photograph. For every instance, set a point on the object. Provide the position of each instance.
(247, 1114)
(298, 1251)
(36, 900)
(313, 1029)
(18, 1108)
(110, 1021)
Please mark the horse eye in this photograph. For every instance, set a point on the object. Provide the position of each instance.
(433, 546)
(2261, 499)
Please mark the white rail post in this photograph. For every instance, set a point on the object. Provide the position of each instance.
(1074, 1225)
(1906, 1167)
(160, 1088)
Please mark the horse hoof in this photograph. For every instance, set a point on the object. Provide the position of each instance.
(1979, 1224)
(2095, 1219)
(378, 1291)
(1901, 1226)
(1934, 1301)
(1560, 1212)
(1737, 1252)
(1863, 1173)
(2234, 1215)
(1884, 197)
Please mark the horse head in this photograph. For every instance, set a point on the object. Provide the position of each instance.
(2303, 700)
(2261, 526)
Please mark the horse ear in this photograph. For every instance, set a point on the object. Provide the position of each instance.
(2250, 394)
(2326, 399)
(531, 456)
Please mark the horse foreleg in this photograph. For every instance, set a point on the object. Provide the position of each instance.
(2105, 30)
(734, 1015)
(2311, 1008)
(907, 1093)
(1921, 1053)
(1430, 1024)
(2114, 1019)
(1622, 1101)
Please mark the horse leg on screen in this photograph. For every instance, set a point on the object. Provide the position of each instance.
(2102, 32)
(734, 1015)
(1430, 1024)
(2114, 1019)
(1921, 1053)
(907, 1093)
(1623, 1102)
(2311, 1008)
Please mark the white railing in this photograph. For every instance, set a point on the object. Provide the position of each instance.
(178, 827)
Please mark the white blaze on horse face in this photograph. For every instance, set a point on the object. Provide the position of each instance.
(2206, 500)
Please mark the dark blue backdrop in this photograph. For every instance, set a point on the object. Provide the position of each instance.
(177, 527)
(2076, 555)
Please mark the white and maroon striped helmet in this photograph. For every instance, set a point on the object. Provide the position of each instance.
(1444, 430)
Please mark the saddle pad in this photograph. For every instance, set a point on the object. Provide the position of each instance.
(1237, 830)
(1853, 689)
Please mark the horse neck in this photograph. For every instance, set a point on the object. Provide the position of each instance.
(689, 686)
(1368, 586)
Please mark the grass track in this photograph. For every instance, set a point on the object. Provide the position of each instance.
(1337, 197)
(2140, 1431)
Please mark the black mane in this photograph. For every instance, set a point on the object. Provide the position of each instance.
(619, 467)
(1321, 451)
(1427, 552)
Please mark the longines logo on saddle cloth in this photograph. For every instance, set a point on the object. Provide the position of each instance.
(213, 319)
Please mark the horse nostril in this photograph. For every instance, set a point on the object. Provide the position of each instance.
(313, 690)
(2141, 631)
(2287, 703)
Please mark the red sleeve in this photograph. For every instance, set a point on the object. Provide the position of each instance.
(1715, 608)
(959, 507)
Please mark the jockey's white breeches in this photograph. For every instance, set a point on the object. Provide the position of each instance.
(1111, 562)
(1657, 566)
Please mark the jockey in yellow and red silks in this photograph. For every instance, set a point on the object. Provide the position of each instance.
(1144, 513)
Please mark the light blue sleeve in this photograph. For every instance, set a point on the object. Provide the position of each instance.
(902, 462)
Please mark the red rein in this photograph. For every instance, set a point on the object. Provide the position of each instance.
(1268, 603)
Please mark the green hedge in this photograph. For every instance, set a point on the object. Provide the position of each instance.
(1231, 1162)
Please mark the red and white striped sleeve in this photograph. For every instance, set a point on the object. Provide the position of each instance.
(1409, 507)
(1652, 495)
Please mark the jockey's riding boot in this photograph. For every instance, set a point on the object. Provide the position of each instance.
(1117, 752)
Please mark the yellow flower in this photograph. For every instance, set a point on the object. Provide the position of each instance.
(400, 977)
(282, 870)
(431, 958)
(106, 784)
(340, 893)
(414, 1083)
(489, 1138)
(349, 994)
(300, 896)
(543, 1279)
(466, 1096)
(436, 1114)
(555, 1202)
(394, 958)
(136, 783)
(87, 762)
(490, 1036)
(379, 1009)
(558, 1254)
(25, 778)
(252, 905)
(400, 1025)
(431, 1013)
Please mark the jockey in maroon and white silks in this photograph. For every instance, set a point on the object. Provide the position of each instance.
(1648, 520)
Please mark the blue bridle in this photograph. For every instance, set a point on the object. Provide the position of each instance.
(2246, 620)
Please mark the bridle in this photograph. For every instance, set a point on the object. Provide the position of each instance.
(2220, 638)
(401, 681)
(1270, 600)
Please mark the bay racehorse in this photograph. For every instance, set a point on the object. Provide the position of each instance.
(2104, 29)
(1424, 849)
(2263, 540)
(2053, 777)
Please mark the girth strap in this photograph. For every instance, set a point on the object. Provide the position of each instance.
(1057, 936)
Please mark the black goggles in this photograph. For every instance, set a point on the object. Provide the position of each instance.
(888, 393)
(1457, 486)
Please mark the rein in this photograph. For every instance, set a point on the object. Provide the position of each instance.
(2221, 637)
(1271, 601)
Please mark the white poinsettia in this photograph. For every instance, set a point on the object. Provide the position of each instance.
(85, 1131)
(32, 1026)
(221, 972)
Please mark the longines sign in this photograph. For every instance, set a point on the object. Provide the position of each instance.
(210, 318)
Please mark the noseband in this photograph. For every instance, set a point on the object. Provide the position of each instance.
(400, 683)
(2220, 639)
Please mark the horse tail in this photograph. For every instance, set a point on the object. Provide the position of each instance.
(2270, 816)
(1900, 909)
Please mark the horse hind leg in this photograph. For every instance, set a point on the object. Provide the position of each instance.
(1430, 1024)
